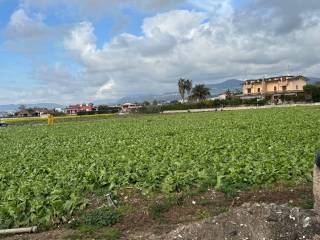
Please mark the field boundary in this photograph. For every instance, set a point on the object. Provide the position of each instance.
(63, 118)
(241, 108)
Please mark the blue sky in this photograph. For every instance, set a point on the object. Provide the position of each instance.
(101, 50)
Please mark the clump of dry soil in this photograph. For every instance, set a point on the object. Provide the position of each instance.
(250, 222)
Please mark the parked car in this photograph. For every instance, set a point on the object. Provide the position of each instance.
(3, 125)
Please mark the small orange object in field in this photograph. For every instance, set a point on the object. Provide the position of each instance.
(50, 120)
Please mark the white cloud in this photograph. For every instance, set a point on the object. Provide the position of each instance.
(22, 25)
(57, 76)
(215, 7)
(82, 38)
(58, 83)
(28, 34)
(104, 90)
(96, 8)
(24, 33)
(184, 43)
(179, 23)
(215, 42)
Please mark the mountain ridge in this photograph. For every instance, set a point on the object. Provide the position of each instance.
(215, 89)
(15, 107)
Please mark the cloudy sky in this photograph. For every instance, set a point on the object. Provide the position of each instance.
(69, 51)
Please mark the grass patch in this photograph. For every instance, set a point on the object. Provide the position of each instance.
(74, 224)
(202, 214)
(100, 217)
(110, 234)
(156, 209)
(304, 203)
(87, 229)
(36, 120)
(125, 209)
(222, 210)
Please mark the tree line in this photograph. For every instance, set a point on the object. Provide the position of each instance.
(197, 93)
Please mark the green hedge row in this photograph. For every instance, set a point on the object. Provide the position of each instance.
(201, 105)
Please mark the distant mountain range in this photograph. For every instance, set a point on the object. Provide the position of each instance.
(15, 107)
(215, 89)
(231, 84)
(159, 97)
(313, 80)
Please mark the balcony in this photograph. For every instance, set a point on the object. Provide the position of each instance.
(284, 83)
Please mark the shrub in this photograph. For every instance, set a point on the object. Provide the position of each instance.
(74, 224)
(158, 208)
(103, 109)
(105, 216)
(217, 103)
(81, 113)
(150, 109)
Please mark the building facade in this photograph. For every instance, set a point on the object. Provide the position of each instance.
(128, 107)
(75, 109)
(222, 96)
(275, 87)
(33, 112)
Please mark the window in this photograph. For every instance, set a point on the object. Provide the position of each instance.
(284, 88)
(297, 87)
(275, 89)
(259, 90)
(249, 90)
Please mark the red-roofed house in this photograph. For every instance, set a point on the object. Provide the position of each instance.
(128, 107)
(75, 109)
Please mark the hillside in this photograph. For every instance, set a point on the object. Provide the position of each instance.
(15, 107)
(231, 84)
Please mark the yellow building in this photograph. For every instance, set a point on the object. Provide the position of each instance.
(275, 87)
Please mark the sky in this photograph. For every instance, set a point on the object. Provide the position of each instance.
(75, 51)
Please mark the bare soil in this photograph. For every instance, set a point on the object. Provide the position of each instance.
(139, 221)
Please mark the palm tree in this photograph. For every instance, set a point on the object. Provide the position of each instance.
(200, 92)
(182, 87)
(188, 86)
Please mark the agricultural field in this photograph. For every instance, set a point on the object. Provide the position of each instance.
(46, 173)
(39, 120)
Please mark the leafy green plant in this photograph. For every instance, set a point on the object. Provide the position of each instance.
(74, 224)
(102, 217)
(156, 209)
(46, 172)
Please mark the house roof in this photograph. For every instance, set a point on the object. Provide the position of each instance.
(275, 79)
(129, 104)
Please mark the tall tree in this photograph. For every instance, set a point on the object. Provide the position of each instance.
(200, 92)
(312, 92)
(182, 87)
(188, 86)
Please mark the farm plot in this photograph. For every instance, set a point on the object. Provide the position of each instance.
(47, 172)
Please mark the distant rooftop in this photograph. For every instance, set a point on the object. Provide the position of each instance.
(278, 78)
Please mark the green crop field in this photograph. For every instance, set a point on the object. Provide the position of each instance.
(39, 120)
(47, 172)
